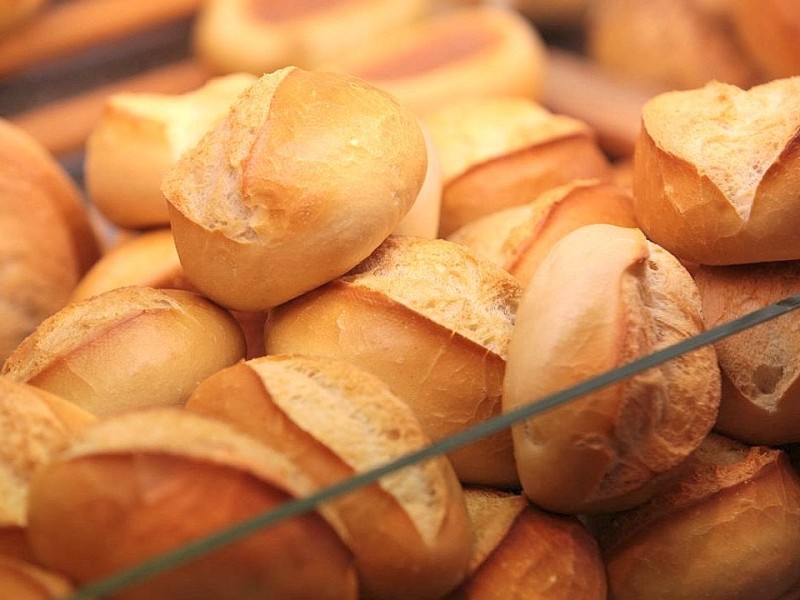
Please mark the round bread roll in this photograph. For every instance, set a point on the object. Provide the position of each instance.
(729, 528)
(137, 485)
(715, 173)
(468, 52)
(523, 553)
(259, 36)
(307, 174)
(760, 377)
(410, 533)
(677, 44)
(430, 319)
(769, 30)
(603, 297)
(139, 136)
(423, 218)
(498, 152)
(518, 238)
(21, 580)
(128, 348)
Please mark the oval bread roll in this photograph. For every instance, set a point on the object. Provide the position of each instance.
(603, 297)
(307, 175)
(409, 533)
(128, 348)
(137, 485)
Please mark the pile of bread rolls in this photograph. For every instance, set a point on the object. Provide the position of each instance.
(317, 269)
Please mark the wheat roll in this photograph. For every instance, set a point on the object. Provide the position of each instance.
(430, 319)
(137, 485)
(715, 172)
(603, 297)
(128, 348)
(308, 174)
(499, 152)
(409, 533)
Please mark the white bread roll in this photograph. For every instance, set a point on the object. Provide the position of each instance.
(259, 36)
(137, 485)
(498, 152)
(728, 528)
(430, 319)
(714, 173)
(603, 297)
(410, 533)
(137, 139)
(307, 174)
(466, 52)
(128, 348)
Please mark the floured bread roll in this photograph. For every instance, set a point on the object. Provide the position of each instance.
(430, 319)
(409, 534)
(308, 173)
(715, 172)
(603, 297)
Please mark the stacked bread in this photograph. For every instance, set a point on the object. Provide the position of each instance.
(274, 336)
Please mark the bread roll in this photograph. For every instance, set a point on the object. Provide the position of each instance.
(760, 376)
(527, 554)
(21, 580)
(769, 30)
(714, 173)
(128, 348)
(423, 218)
(499, 152)
(139, 136)
(603, 297)
(259, 36)
(276, 201)
(467, 52)
(730, 528)
(409, 533)
(430, 319)
(519, 237)
(137, 485)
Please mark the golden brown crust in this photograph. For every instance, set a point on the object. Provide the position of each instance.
(603, 297)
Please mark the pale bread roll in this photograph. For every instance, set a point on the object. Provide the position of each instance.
(715, 173)
(409, 533)
(259, 36)
(760, 377)
(498, 152)
(137, 485)
(137, 139)
(729, 528)
(464, 52)
(276, 201)
(22, 580)
(518, 238)
(128, 348)
(430, 319)
(603, 297)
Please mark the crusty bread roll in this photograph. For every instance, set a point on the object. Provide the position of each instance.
(760, 376)
(307, 174)
(729, 528)
(139, 136)
(410, 534)
(523, 553)
(430, 319)
(34, 425)
(22, 580)
(715, 172)
(498, 152)
(518, 238)
(259, 36)
(603, 297)
(128, 348)
(467, 52)
(675, 44)
(769, 30)
(134, 486)
(423, 218)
